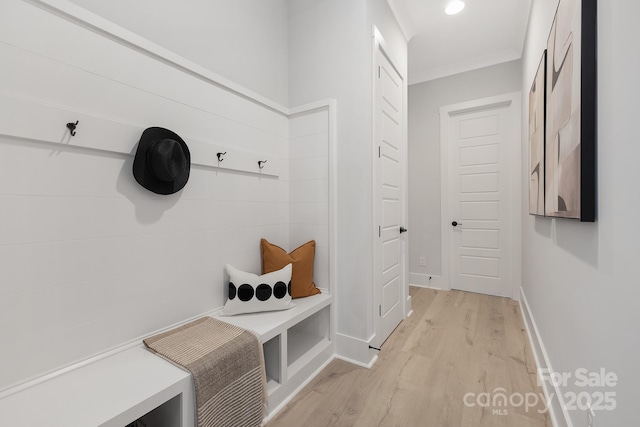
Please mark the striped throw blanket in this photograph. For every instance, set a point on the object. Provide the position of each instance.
(227, 365)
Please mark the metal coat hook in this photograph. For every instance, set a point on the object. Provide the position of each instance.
(261, 163)
(220, 156)
(72, 127)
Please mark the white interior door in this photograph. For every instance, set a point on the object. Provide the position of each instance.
(479, 197)
(389, 274)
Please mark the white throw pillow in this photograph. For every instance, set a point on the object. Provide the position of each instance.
(250, 293)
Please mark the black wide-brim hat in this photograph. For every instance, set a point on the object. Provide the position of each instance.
(162, 162)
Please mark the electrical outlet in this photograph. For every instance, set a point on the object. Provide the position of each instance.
(422, 261)
(591, 417)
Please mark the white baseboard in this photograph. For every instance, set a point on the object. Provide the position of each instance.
(355, 362)
(408, 310)
(428, 281)
(355, 350)
(552, 393)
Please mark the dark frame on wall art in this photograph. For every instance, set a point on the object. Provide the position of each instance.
(570, 146)
(537, 96)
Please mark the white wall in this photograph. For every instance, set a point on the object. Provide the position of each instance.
(242, 40)
(330, 51)
(580, 280)
(309, 187)
(88, 258)
(425, 100)
(91, 260)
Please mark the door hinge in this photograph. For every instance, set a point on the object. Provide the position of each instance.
(379, 71)
(379, 150)
(380, 310)
(379, 231)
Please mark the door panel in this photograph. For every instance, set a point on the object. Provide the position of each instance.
(389, 204)
(479, 200)
(479, 155)
(390, 255)
(391, 296)
(483, 211)
(391, 132)
(480, 266)
(391, 212)
(478, 127)
(479, 239)
(391, 170)
(475, 183)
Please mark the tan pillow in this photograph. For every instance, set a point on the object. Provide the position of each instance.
(274, 258)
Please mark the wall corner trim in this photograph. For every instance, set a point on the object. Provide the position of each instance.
(355, 350)
(403, 18)
(552, 393)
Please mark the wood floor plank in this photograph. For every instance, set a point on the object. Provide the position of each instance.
(456, 346)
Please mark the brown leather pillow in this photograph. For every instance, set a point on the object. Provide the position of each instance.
(274, 258)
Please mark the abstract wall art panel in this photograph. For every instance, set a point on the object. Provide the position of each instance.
(536, 139)
(570, 153)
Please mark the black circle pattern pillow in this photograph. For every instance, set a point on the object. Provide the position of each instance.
(250, 293)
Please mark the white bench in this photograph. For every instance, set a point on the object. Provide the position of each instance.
(112, 391)
(297, 344)
(115, 390)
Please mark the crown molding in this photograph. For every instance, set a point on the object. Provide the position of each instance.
(464, 66)
(400, 11)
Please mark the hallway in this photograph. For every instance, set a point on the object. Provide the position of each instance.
(432, 372)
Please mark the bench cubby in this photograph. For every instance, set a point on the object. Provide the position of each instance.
(166, 415)
(115, 389)
(306, 339)
(272, 363)
(296, 342)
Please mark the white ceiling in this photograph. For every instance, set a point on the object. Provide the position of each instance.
(485, 33)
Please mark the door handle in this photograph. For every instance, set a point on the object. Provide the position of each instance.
(403, 230)
(456, 223)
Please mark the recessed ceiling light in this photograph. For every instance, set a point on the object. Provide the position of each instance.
(453, 7)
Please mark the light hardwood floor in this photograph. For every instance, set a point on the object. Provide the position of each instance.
(455, 343)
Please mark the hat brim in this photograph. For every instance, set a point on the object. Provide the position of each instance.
(141, 170)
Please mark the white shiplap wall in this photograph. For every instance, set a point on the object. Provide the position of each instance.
(89, 259)
(309, 187)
